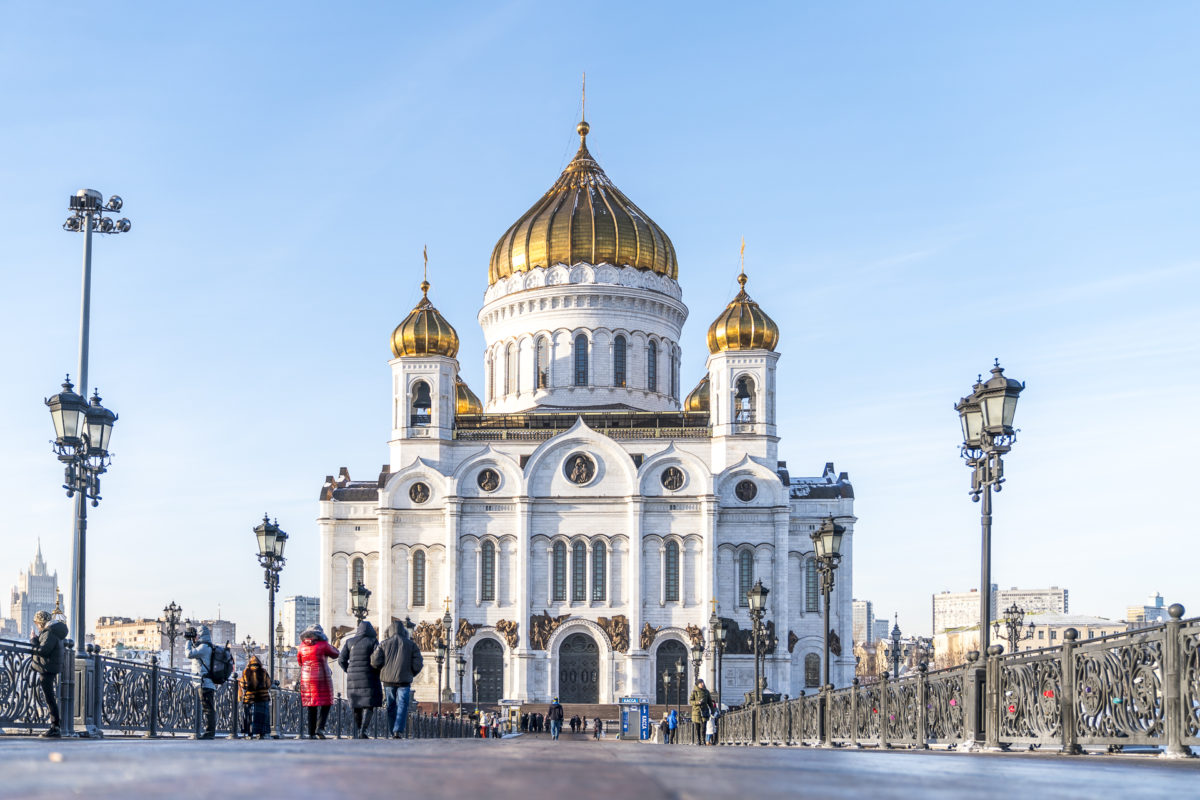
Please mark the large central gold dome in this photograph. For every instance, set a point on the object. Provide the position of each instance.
(583, 217)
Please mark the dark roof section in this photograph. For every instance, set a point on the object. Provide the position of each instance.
(346, 490)
(826, 487)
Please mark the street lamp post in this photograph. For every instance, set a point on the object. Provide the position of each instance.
(82, 430)
(1014, 617)
(719, 632)
(697, 660)
(827, 547)
(680, 680)
(282, 654)
(441, 657)
(895, 648)
(172, 615)
(360, 598)
(462, 670)
(475, 689)
(271, 540)
(447, 631)
(988, 433)
(757, 597)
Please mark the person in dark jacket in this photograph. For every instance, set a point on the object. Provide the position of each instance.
(702, 705)
(555, 715)
(399, 661)
(596, 728)
(47, 661)
(254, 690)
(363, 689)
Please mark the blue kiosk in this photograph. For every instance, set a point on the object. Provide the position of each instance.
(635, 717)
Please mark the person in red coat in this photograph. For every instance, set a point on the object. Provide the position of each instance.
(316, 682)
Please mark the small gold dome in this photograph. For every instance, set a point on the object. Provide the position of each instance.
(697, 399)
(583, 217)
(465, 400)
(424, 332)
(742, 326)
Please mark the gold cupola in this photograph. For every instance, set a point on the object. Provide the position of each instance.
(583, 217)
(425, 332)
(742, 325)
(697, 400)
(465, 401)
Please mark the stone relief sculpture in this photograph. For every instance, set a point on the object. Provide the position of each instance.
(617, 629)
(648, 634)
(427, 635)
(835, 643)
(465, 631)
(695, 635)
(792, 639)
(508, 629)
(340, 632)
(541, 627)
(579, 469)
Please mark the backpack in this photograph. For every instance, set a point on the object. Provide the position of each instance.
(220, 664)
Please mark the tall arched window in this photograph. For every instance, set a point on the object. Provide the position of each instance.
(581, 360)
(743, 400)
(490, 368)
(511, 384)
(674, 371)
(652, 366)
(599, 570)
(487, 572)
(810, 585)
(418, 579)
(671, 573)
(421, 404)
(559, 573)
(542, 367)
(578, 572)
(619, 361)
(356, 573)
(745, 576)
(812, 671)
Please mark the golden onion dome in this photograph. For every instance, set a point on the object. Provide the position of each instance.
(583, 217)
(697, 399)
(742, 326)
(424, 332)
(465, 400)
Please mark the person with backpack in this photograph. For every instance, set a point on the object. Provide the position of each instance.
(47, 662)
(363, 688)
(555, 715)
(199, 648)
(255, 694)
(399, 661)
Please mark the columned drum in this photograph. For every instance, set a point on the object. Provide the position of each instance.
(579, 670)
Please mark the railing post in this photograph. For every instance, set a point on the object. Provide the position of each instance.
(1066, 702)
(1175, 718)
(972, 680)
(883, 712)
(66, 689)
(922, 706)
(854, 713)
(994, 698)
(338, 706)
(97, 700)
(152, 723)
(826, 715)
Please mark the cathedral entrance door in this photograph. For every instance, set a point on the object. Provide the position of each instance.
(579, 670)
(488, 658)
(670, 652)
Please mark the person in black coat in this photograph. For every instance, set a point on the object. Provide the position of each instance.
(47, 662)
(363, 688)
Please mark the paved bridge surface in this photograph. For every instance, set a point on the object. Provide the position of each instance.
(531, 767)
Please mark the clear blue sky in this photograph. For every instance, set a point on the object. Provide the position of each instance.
(922, 187)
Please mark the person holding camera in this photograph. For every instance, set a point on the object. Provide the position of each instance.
(47, 662)
(200, 650)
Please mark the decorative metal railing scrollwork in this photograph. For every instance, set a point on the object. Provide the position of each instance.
(945, 700)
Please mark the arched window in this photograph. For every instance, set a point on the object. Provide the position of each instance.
(581, 360)
(510, 369)
(487, 572)
(745, 576)
(674, 371)
(578, 572)
(743, 400)
(559, 573)
(652, 366)
(810, 585)
(671, 573)
(421, 404)
(542, 367)
(599, 570)
(619, 361)
(812, 671)
(491, 378)
(356, 573)
(418, 578)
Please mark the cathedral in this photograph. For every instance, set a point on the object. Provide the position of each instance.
(583, 521)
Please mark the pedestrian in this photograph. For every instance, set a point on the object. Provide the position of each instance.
(596, 729)
(664, 729)
(399, 661)
(316, 682)
(702, 704)
(710, 727)
(363, 689)
(254, 690)
(47, 662)
(199, 648)
(672, 727)
(555, 714)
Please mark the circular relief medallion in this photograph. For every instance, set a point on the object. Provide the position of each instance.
(672, 478)
(579, 468)
(745, 491)
(418, 492)
(488, 480)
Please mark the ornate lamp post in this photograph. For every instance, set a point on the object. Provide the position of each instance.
(271, 540)
(447, 632)
(827, 546)
(680, 680)
(697, 659)
(757, 597)
(895, 648)
(82, 430)
(461, 666)
(988, 433)
(172, 615)
(475, 689)
(441, 657)
(718, 638)
(1014, 617)
(360, 596)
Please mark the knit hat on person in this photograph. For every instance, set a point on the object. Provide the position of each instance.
(41, 617)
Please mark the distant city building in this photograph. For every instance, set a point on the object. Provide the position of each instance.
(864, 621)
(126, 633)
(958, 609)
(1034, 601)
(1153, 613)
(880, 628)
(299, 613)
(8, 628)
(36, 590)
(1046, 630)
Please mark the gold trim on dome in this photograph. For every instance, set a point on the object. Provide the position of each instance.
(583, 217)
(697, 401)
(742, 325)
(424, 332)
(465, 400)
